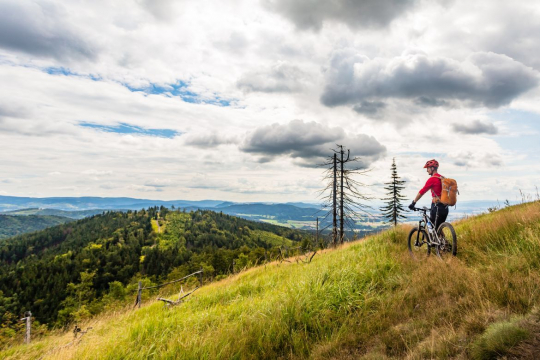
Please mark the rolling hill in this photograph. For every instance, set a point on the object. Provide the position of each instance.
(17, 225)
(45, 271)
(366, 300)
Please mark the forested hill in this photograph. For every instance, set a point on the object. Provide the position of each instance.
(16, 225)
(80, 214)
(73, 270)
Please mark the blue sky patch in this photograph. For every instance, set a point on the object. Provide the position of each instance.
(60, 70)
(53, 70)
(123, 128)
(180, 89)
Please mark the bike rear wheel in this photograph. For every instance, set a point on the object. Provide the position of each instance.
(448, 239)
(418, 244)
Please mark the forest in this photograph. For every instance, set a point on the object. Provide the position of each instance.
(16, 225)
(76, 270)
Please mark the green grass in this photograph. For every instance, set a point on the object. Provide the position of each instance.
(497, 340)
(271, 238)
(366, 300)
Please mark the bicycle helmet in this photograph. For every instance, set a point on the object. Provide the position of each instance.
(432, 163)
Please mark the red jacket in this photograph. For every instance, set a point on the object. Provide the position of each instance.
(434, 184)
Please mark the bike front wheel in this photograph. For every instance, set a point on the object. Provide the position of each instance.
(448, 240)
(418, 244)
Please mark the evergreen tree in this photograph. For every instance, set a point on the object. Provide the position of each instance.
(393, 211)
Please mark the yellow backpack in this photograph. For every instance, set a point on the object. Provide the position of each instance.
(449, 191)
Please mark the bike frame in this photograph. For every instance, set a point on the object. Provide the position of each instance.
(422, 225)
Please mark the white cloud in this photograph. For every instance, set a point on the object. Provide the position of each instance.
(309, 143)
(483, 79)
(280, 78)
(97, 172)
(311, 14)
(420, 79)
(144, 188)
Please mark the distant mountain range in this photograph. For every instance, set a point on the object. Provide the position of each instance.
(121, 203)
(283, 213)
(76, 214)
(89, 203)
(78, 208)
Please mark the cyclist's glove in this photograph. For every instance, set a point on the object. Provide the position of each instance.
(412, 205)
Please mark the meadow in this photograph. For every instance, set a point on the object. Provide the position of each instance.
(366, 299)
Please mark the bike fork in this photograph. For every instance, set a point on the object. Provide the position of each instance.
(417, 242)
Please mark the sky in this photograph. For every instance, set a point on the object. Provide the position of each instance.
(241, 100)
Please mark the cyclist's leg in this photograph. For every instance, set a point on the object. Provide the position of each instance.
(433, 213)
(442, 214)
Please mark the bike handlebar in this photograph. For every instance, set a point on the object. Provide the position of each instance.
(424, 209)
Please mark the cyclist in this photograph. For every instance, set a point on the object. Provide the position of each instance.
(439, 211)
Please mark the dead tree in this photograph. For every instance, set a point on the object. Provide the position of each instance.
(341, 184)
(28, 320)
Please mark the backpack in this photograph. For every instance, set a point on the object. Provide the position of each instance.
(449, 191)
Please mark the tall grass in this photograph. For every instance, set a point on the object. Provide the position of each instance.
(368, 299)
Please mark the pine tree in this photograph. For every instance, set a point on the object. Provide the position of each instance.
(393, 211)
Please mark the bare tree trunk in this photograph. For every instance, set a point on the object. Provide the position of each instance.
(28, 319)
(334, 231)
(341, 219)
(349, 194)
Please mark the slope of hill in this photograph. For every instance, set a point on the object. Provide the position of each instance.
(17, 225)
(65, 272)
(77, 214)
(368, 300)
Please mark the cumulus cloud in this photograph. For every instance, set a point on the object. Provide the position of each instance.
(39, 28)
(311, 14)
(483, 79)
(475, 127)
(160, 9)
(97, 172)
(427, 101)
(281, 77)
(502, 27)
(144, 188)
(371, 109)
(208, 140)
(477, 159)
(8, 110)
(309, 143)
(236, 43)
(108, 186)
(30, 127)
(159, 183)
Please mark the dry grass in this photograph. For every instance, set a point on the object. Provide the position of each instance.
(365, 300)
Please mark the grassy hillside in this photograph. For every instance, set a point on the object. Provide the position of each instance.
(17, 225)
(366, 300)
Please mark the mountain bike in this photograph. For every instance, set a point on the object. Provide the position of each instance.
(423, 238)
